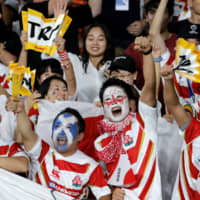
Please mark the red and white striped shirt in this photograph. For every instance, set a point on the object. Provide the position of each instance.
(136, 168)
(10, 149)
(69, 175)
(187, 184)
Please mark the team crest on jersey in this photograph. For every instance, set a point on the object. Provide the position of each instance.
(76, 181)
(128, 140)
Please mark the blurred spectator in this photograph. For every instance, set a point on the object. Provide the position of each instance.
(170, 41)
(118, 15)
(10, 45)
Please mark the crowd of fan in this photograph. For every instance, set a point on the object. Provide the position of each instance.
(116, 58)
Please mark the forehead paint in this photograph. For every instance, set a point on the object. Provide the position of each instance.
(113, 94)
(114, 101)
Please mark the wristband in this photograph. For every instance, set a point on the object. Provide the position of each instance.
(147, 52)
(63, 55)
(159, 59)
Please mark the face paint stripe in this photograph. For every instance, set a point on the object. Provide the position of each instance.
(66, 133)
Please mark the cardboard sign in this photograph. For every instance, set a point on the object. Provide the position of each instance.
(43, 31)
(20, 80)
(187, 62)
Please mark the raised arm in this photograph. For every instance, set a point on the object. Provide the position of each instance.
(24, 53)
(147, 96)
(155, 28)
(181, 116)
(67, 66)
(95, 6)
(29, 137)
(14, 164)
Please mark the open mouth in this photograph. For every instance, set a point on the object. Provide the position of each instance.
(61, 140)
(116, 111)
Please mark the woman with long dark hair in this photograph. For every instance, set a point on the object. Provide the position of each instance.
(96, 57)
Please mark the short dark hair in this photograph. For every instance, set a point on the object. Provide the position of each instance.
(54, 65)
(123, 62)
(43, 89)
(75, 113)
(51, 63)
(116, 82)
(152, 6)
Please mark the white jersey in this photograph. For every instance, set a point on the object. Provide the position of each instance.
(187, 186)
(136, 168)
(69, 175)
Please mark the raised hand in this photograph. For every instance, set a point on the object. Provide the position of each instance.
(167, 72)
(118, 194)
(59, 7)
(23, 37)
(142, 44)
(60, 43)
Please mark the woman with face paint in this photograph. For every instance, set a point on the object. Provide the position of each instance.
(127, 141)
(63, 168)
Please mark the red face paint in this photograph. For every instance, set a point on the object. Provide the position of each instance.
(114, 101)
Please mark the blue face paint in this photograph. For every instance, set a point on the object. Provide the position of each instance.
(64, 131)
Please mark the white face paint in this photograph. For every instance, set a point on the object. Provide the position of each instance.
(64, 131)
(115, 101)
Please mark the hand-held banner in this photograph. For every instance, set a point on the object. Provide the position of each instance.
(43, 31)
(187, 62)
(20, 80)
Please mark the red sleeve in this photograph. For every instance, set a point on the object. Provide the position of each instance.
(97, 178)
(14, 148)
(192, 131)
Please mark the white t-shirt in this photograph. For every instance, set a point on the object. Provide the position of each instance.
(88, 83)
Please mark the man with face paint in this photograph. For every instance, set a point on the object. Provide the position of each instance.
(127, 141)
(64, 168)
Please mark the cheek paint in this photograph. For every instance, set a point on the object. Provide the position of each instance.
(53, 93)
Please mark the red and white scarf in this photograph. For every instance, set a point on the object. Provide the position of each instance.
(111, 151)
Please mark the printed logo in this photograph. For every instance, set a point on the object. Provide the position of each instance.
(76, 181)
(193, 28)
(128, 140)
(55, 173)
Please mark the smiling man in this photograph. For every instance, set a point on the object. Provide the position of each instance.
(127, 141)
(64, 169)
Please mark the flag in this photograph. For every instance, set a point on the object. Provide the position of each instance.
(187, 61)
(13, 186)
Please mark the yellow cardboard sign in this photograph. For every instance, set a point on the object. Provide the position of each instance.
(187, 61)
(43, 31)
